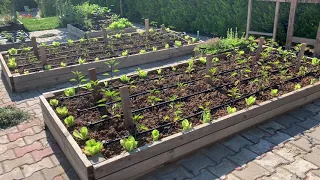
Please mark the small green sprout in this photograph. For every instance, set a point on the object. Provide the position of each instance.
(142, 74)
(70, 42)
(137, 118)
(167, 30)
(313, 81)
(159, 71)
(206, 115)
(70, 92)
(54, 102)
(154, 49)
(203, 60)
(155, 135)
(62, 111)
(47, 67)
(56, 44)
(187, 37)
(250, 101)
(231, 110)
(82, 135)
(82, 40)
(151, 31)
(69, 121)
(153, 100)
(93, 147)
(62, 64)
(186, 125)
(125, 53)
(315, 61)
(129, 144)
(142, 51)
(81, 61)
(125, 79)
(178, 43)
(167, 46)
(96, 59)
(274, 92)
(297, 86)
(13, 51)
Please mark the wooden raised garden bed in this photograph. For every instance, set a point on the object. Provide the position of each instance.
(53, 64)
(13, 39)
(12, 26)
(235, 91)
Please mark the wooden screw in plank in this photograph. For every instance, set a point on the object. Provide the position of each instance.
(35, 46)
(126, 108)
(43, 56)
(105, 36)
(259, 50)
(300, 56)
(208, 68)
(146, 23)
(317, 45)
(93, 74)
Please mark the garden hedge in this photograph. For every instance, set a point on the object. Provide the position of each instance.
(215, 17)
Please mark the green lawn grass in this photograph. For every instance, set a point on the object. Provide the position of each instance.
(40, 24)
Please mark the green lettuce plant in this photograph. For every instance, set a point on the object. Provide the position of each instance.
(186, 125)
(203, 60)
(62, 111)
(13, 51)
(142, 74)
(54, 102)
(142, 51)
(70, 92)
(274, 92)
(178, 43)
(297, 86)
(47, 67)
(206, 114)
(155, 135)
(82, 135)
(93, 147)
(129, 144)
(12, 64)
(69, 121)
(250, 101)
(125, 79)
(231, 110)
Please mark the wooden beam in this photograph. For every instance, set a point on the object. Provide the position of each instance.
(276, 19)
(249, 18)
(146, 23)
(121, 12)
(126, 108)
(317, 44)
(299, 1)
(35, 46)
(303, 40)
(292, 15)
(259, 50)
(300, 56)
(260, 33)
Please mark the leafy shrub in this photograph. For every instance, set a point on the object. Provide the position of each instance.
(121, 23)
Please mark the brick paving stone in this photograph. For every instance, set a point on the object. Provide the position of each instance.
(316, 172)
(236, 143)
(49, 174)
(36, 137)
(15, 136)
(18, 143)
(26, 125)
(178, 173)
(255, 134)
(251, 172)
(300, 167)
(270, 161)
(204, 175)
(286, 120)
(16, 173)
(9, 130)
(7, 155)
(278, 138)
(36, 176)
(314, 134)
(309, 123)
(28, 170)
(8, 165)
(282, 174)
(196, 163)
(4, 139)
(1, 169)
(261, 147)
(230, 177)
(288, 152)
(303, 143)
(20, 151)
(70, 175)
(58, 178)
(60, 159)
(315, 117)
(33, 102)
(218, 152)
(243, 157)
(223, 168)
(300, 114)
(312, 108)
(37, 129)
(311, 176)
(294, 130)
(271, 127)
(314, 156)
(38, 155)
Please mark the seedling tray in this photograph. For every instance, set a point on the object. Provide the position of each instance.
(151, 155)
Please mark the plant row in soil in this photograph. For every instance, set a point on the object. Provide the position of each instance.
(235, 80)
(89, 50)
(8, 37)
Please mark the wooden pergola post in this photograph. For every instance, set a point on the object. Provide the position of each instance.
(317, 45)
(249, 18)
(276, 19)
(121, 8)
(292, 16)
